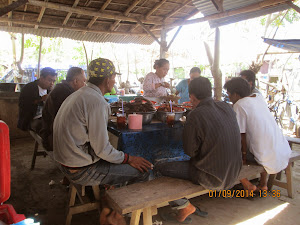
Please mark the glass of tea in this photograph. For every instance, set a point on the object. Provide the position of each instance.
(121, 121)
(170, 119)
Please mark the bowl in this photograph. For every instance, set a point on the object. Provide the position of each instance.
(162, 116)
(147, 116)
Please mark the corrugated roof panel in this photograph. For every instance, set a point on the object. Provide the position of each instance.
(207, 8)
(78, 35)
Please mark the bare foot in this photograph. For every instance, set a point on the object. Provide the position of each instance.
(103, 216)
(184, 213)
(116, 219)
(262, 188)
(248, 185)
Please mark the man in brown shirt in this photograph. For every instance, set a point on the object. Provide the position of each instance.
(211, 138)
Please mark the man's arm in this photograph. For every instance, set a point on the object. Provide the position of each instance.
(191, 139)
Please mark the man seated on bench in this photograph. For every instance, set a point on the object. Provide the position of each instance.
(80, 138)
(211, 137)
(262, 140)
(75, 79)
(32, 98)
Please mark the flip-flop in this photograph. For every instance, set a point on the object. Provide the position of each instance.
(171, 217)
(198, 212)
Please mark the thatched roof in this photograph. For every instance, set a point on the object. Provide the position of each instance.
(120, 21)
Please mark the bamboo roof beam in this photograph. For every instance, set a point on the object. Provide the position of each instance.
(126, 13)
(218, 4)
(155, 8)
(249, 8)
(12, 6)
(81, 11)
(177, 9)
(39, 19)
(150, 13)
(101, 10)
(296, 8)
(69, 14)
(3, 19)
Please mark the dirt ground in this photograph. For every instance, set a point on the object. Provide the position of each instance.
(32, 195)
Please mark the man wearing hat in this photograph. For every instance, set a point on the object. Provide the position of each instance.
(80, 138)
(32, 98)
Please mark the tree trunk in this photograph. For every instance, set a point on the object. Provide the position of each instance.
(86, 57)
(40, 55)
(216, 69)
(19, 64)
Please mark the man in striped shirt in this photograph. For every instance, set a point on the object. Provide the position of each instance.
(212, 139)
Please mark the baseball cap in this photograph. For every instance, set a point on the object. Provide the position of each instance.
(48, 71)
(101, 68)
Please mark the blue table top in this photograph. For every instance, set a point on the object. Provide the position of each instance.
(154, 142)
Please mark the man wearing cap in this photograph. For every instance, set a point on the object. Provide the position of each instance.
(80, 139)
(32, 98)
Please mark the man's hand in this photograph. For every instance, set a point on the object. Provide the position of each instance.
(140, 163)
(166, 85)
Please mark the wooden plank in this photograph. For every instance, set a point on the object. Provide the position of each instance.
(135, 217)
(147, 216)
(152, 193)
(293, 140)
(12, 6)
(294, 156)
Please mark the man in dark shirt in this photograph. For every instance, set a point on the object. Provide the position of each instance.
(211, 138)
(32, 98)
(75, 79)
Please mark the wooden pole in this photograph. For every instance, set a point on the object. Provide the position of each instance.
(216, 69)
(296, 8)
(40, 56)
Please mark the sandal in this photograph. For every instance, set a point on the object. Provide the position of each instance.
(198, 212)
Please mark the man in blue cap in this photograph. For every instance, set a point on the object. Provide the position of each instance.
(32, 98)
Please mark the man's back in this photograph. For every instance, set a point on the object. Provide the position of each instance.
(52, 105)
(212, 139)
(264, 138)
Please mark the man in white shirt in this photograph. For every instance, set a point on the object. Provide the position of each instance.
(262, 139)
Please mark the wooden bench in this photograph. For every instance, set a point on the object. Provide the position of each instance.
(78, 202)
(146, 197)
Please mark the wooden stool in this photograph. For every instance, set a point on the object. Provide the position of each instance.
(84, 205)
(288, 185)
(36, 151)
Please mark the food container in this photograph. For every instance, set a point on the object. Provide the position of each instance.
(147, 116)
(135, 121)
(114, 109)
(162, 116)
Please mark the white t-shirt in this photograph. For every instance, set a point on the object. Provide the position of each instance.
(264, 138)
(39, 110)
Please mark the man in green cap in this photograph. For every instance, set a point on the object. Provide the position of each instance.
(80, 139)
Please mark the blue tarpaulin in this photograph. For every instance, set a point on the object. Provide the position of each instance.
(289, 44)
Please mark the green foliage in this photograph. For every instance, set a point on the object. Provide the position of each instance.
(61, 75)
(79, 54)
(179, 73)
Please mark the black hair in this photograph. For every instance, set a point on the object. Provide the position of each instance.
(238, 85)
(250, 76)
(160, 63)
(195, 70)
(200, 87)
(48, 71)
(73, 72)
